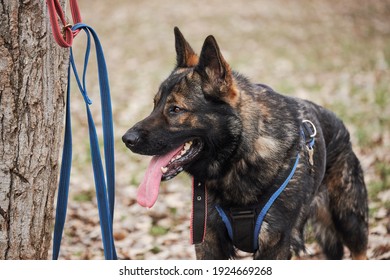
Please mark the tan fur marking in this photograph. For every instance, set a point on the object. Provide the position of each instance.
(266, 146)
(265, 238)
(179, 99)
(324, 216)
(265, 113)
(360, 256)
(233, 95)
(192, 60)
(180, 70)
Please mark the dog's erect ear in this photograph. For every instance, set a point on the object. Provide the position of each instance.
(216, 70)
(185, 56)
(212, 63)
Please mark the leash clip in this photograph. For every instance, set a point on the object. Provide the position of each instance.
(310, 150)
(310, 128)
(64, 28)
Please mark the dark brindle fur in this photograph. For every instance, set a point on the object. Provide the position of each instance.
(246, 138)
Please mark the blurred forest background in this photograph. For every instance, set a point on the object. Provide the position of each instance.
(335, 53)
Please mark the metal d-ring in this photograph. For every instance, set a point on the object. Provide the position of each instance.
(313, 126)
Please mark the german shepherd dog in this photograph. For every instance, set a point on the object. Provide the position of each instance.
(242, 140)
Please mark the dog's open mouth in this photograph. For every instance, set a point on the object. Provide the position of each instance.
(185, 155)
(165, 167)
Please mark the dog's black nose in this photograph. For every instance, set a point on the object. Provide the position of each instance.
(131, 138)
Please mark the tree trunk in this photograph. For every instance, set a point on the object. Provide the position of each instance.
(32, 97)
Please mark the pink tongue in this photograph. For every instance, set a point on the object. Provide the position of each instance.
(149, 187)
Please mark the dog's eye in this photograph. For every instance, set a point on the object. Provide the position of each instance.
(175, 109)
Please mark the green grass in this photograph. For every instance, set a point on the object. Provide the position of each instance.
(158, 230)
(84, 196)
(155, 250)
(383, 181)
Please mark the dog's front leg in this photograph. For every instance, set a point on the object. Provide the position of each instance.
(212, 248)
(274, 244)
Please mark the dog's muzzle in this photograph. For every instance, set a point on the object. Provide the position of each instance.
(131, 138)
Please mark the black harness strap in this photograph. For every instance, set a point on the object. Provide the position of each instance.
(199, 211)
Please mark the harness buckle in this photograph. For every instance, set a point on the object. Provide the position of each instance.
(238, 213)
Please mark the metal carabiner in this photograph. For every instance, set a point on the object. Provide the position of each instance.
(313, 126)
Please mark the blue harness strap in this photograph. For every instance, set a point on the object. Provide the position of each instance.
(104, 182)
(269, 203)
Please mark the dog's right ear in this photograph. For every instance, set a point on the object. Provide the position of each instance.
(185, 56)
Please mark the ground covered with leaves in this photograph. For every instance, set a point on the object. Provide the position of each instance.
(335, 53)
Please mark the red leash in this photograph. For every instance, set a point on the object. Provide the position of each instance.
(63, 36)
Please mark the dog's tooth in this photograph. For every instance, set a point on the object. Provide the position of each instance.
(188, 145)
(164, 169)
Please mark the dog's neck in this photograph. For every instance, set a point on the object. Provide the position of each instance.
(267, 155)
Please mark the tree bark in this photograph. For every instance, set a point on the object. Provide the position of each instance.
(32, 97)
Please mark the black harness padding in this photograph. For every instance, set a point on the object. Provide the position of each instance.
(243, 222)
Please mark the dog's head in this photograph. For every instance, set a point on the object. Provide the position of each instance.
(194, 125)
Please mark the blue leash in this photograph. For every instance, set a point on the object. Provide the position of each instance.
(105, 185)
